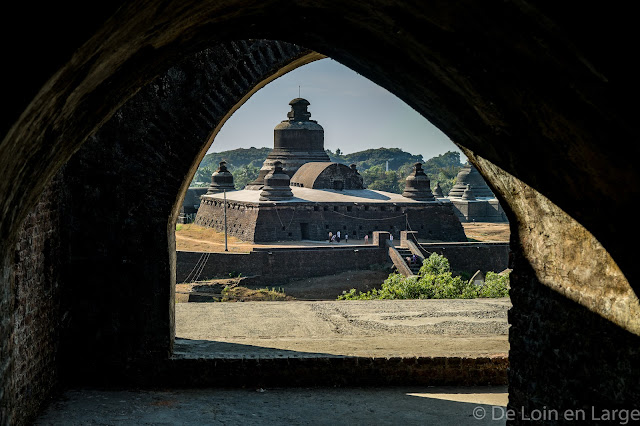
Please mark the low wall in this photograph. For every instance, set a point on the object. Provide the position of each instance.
(278, 265)
(469, 257)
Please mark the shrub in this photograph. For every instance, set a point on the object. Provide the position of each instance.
(435, 264)
(495, 285)
(435, 281)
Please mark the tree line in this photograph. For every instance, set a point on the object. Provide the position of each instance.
(382, 169)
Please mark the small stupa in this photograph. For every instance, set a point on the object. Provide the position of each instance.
(468, 194)
(417, 185)
(437, 192)
(221, 180)
(276, 185)
(469, 175)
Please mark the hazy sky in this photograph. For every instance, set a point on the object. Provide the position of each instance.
(355, 113)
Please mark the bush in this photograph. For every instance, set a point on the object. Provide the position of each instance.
(495, 285)
(434, 281)
(435, 264)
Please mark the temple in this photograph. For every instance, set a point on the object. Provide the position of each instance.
(472, 199)
(301, 195)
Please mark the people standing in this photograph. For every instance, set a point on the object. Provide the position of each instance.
(366, 239)
(330, 236)
(338, 236)
(346, 238)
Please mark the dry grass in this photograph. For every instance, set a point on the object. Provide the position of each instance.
(485, 231)
(192, 237)
(244, 294)
(227, 290)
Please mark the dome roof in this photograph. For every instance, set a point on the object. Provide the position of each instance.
(327, 175)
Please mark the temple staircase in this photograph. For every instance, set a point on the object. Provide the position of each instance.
(405, 252)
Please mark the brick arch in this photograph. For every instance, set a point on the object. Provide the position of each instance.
(125, 186)
(535, 97)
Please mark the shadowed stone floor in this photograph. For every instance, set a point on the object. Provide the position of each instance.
(303, 406)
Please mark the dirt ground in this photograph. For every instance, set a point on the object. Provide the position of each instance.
(485, 231)
(368, 328)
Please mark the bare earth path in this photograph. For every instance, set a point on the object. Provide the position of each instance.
(372, 328)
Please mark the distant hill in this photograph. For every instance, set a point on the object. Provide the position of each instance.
(245, 165)
(236, 158)
(378, 156)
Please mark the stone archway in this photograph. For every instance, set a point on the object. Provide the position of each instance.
(137, 167)
(533, 96)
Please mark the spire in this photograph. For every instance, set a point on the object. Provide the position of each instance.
(276, 185)
(299, 110)
(468, 194)
(417, 185)
(437, 192)
(296, 141)
(221, 180)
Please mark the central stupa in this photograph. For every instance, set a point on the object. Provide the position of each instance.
(296, 141)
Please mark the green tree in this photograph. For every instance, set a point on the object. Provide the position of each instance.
(202, 176)
(244, 175)
(377, 178)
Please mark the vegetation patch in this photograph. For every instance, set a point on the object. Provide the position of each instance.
(244, 294)
(434, 281)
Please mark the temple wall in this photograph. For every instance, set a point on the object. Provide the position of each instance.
(470, 257)
(241, 218)
(301, 221)
(479, 211)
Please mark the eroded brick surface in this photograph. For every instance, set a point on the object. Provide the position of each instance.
(33, 346)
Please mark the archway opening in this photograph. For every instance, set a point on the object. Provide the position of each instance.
(217, 279)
